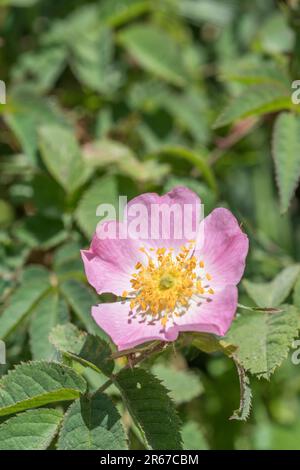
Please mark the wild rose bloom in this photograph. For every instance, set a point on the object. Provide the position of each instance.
(168, 285)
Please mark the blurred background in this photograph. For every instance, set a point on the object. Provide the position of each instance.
(123, 97)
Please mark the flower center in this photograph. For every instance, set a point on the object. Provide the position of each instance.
(166, 281)
(166, 284)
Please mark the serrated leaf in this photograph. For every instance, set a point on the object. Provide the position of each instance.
(91, 351)
(92, 423)
(81, 299)
(254, 101)
(102, 191)
(67, 338)
(31, 430)
(264, 339)
(176, 380)
(50, 311)
(156, 51)
(272, 294)
(35, 384)
(62, 157)
(286, 152)
(242, 413)
(151, 408)
(34, 286)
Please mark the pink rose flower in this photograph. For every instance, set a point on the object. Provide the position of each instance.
(167, 285)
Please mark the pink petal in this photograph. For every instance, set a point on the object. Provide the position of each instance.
(223, 248)
(210, 317)
(178, 231)
(109, 263)
(125, 330)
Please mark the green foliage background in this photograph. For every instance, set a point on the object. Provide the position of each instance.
(123, 97)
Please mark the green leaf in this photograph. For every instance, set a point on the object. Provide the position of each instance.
(31, 430)
(193, 438)
(92, 423)
(102, 191)
(28, 111)
(254, 101)
(210, 343)
(176, 380)
(243, 412)
(286, 151)
(296, 294)
(35, 384)
(92, 61)
(156, 51)
(90, 351)
(34, 286)
(62, 157)
(81, 299)
(270, 223)
(117, 12)
(50, 311)
(104, 152)
(263, 339)
(42, 67)
(151, 408)
(195, 158)
(41, 232)
(67, 338)
(272, 294)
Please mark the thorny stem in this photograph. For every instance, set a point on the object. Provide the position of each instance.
(133, 360)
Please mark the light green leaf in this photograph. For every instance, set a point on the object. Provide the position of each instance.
(104, 152)
(156, 51)
(67, 338)
(42, 68)
(264, 339)
(254, 101)
(102, 191)
(91, 61)
(81, 299)
(92, 423)
(193, 438)
(27, 112)
(35, 384)
(33, 287)
(176, 381)
(116, 12)
(286, 151)
(195, 158)
(49, 311)
(31, 430)
(151, 408)
(272, 294)
(296, 294)
(90, 351)
(207, 11)
(62, 157)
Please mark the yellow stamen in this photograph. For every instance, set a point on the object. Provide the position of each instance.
(166, 283)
